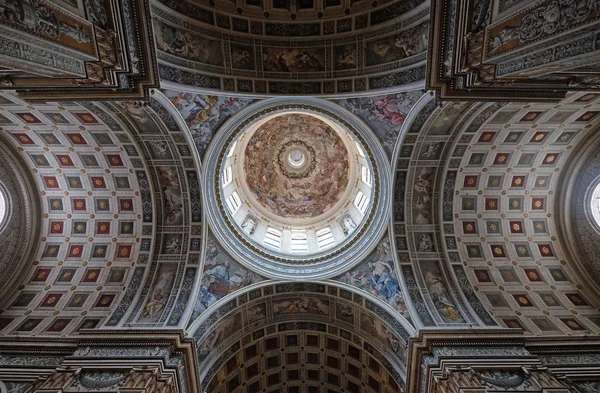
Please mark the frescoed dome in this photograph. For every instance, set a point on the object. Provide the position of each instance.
(296, 166)
(295, 183)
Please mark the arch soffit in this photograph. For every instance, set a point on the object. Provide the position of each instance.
(428, 145)
(232, 317)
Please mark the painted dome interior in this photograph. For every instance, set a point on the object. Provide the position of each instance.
(297, 183)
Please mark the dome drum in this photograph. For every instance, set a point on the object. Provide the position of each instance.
(295, 184)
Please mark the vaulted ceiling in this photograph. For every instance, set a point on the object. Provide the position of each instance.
(476, 235)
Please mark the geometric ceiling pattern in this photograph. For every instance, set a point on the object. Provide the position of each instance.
(123, 243)
(165, 276)
(288, 11)
(505, 208)
(292, 308)
(297, 360)
(383, 46)
(91, 222)
(432, 294)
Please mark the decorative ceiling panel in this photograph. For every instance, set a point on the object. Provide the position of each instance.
(222, 276)
(204, 114)
(508, 50)
(505, 205)
(173, 217)
(305, 361)
(81, 49)
(287, 60)
(314, 308)
(432, 294)
(384, 114)
(92, 221)
(283, 12)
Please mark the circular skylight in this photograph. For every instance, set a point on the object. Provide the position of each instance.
(296, 158)
(595, 204)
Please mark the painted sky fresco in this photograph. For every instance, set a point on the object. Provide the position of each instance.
(384, 114)
(222, 276)
(205, 113)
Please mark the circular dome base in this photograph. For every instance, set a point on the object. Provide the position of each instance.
(267, 163)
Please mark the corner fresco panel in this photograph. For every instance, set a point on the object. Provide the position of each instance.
(205, 113)
(384, 114)
(222, 275)
(377, 275)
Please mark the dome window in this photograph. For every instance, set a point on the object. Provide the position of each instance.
(324, 237)
(299, 242)
(227, 176)
(234, 202)
(361, 202)
(273, 238)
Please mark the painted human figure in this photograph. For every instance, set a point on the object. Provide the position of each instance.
(381, 278)
(173, 246)
(216, 278)
(156, 303)
(438, 292)
(425, 243)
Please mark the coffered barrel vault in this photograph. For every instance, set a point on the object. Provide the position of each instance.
(317, 50)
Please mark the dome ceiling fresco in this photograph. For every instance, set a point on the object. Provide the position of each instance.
(296, 166)
(293, 179)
